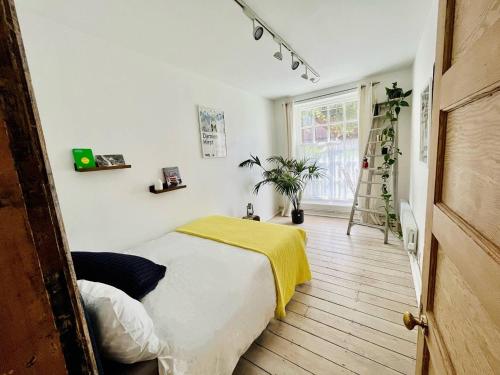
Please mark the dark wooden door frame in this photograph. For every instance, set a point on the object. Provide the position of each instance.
(25, 146)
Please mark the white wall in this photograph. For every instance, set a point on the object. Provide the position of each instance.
(92, 93)
(422, 73)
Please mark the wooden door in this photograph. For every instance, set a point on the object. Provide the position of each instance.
(42, 328)
(461, 269)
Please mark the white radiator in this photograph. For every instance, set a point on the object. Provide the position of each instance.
(409, 227)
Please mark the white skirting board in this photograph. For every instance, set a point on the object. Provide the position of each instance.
(338, 211)
(417, 278)
(333, 214)
(278, 213)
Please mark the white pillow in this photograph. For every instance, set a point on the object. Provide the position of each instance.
(124, 329)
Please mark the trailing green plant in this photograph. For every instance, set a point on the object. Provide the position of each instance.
(396, 99)
(288, 176)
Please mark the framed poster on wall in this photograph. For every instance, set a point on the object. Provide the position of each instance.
(425, 120)
(212, 132)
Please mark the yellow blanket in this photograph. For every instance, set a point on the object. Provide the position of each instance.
(283, 245)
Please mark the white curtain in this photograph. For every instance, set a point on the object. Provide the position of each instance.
(290, 146)
(365, 115)
(365, 124)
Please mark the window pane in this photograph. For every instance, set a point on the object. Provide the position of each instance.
(321, 133)
(306, 118)
(351, 130)
(327, 132)
(335, 133)
(351, 110)
(307, 135)
(320, 115)
(336, 113)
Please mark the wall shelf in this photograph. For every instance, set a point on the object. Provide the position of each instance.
(94, 169)
(165, 189)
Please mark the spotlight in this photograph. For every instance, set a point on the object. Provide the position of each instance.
(278, 55)
(258, 31)
(295, 63)
(305, 76)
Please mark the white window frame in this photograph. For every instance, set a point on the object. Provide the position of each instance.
(323, 205)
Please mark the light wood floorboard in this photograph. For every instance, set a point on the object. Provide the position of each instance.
(348, 318)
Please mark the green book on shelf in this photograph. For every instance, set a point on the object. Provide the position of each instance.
(84, 158)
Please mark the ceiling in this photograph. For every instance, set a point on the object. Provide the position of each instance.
(344, 40)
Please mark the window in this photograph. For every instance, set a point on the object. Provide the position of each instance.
(327, 131)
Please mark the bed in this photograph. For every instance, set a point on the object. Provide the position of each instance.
(204, 333)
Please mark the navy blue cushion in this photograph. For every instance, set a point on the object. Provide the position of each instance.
(135, 275)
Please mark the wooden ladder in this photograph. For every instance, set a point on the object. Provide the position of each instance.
(368, 176)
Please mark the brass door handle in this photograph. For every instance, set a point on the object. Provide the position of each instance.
(410, 321)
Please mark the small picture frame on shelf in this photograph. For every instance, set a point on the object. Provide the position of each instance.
(172, 176)
(109, 160)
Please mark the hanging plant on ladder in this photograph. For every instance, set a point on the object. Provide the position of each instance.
(396, 99)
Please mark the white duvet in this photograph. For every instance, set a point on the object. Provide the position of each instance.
(214, 300)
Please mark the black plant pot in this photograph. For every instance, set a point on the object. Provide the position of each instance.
(297, 216)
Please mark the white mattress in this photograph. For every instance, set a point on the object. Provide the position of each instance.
(214, 301)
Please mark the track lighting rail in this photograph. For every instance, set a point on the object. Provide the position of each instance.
(250, 13)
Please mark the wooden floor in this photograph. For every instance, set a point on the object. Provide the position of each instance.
(348, 319)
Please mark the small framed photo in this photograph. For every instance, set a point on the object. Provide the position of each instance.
(109, 160)
(172, 175)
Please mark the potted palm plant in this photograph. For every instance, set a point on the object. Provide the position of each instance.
(289, 178)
